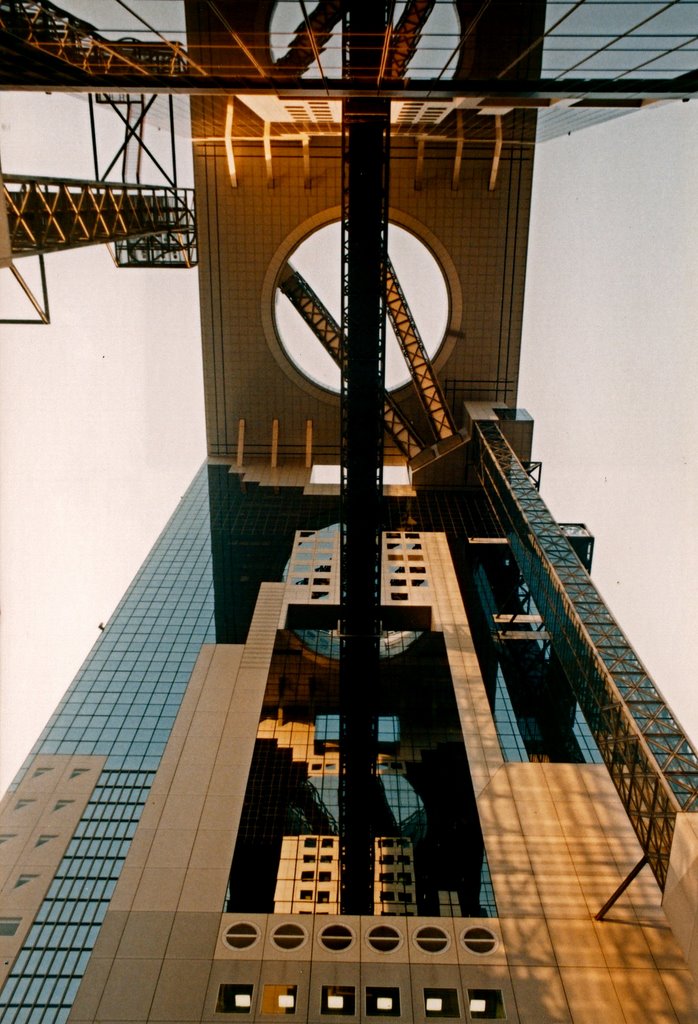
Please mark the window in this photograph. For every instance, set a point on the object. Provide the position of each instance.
(382, 1002)
(234, 999)
(279, 998)
(241, 935)
(336, 937)
(486, 1004)
(325, 843)
(306, 894)
(9, 925)
(431, 939)
(338, 999)
(383, 938)
(441, 1002)
(323, 897)
(325, 876)
(289, 936)
(479, 940)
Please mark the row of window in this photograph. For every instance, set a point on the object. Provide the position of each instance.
(383, 938)
(379, 1001)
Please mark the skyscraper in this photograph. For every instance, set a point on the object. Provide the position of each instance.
(357, 748)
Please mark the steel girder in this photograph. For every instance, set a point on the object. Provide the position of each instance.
(44, 47)
(410, 341)
(365, 162)
(329, 334)
(651, 761)
(405, 37)
(311, 36)
(42, 26)
(50, 214)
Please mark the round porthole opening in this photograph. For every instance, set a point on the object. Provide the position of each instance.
(241, 935)
(431, 939)
(479, 940)
(289, 936)
(311, 280)
(384, 939)
(336, 937)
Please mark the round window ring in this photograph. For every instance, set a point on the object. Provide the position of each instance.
(289, 936)
(241, 935)
(315, 263)
(431, 939)
(479, 940)
(336, 937)
(384, 939)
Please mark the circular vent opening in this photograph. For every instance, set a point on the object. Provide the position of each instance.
(241, 935)
(479, 940)
(336, 937)
(289, 936)
(431, 940)
(384, 939)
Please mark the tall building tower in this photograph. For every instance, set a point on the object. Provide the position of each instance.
(362, 739)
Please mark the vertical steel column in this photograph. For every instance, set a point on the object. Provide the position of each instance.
(366, 134)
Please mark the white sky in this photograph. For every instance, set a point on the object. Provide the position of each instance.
(101, 414)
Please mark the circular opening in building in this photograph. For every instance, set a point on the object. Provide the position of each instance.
(435, 54)
(313, 272)
(431, 940)
(241, 935)
(479, 940)
(384, 939)
(336, 937)
(289, 936)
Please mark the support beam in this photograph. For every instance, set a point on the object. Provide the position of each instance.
(61, 38)
(228, 139)
(458, 158)
(366, 136)
(308, 443)
(423, 377)
(267, 154)
(406, 36)
(630, 877)
(498, 141)
(328, 332)
(49, 214)
(241, 443)
(311, 37)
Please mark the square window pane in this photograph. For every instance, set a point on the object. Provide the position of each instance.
(486, 1004)
(338, 1000)
(382, 1002)
(441, 1002)
(234, 999)
(279, 998)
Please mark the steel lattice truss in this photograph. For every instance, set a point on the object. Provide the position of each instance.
(329, 334)
(423, 376)
(405, 37)
(45, 27)
(652, 763)
(48, 215)
(312, 35)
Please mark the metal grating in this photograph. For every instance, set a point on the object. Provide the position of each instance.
(651, 761)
